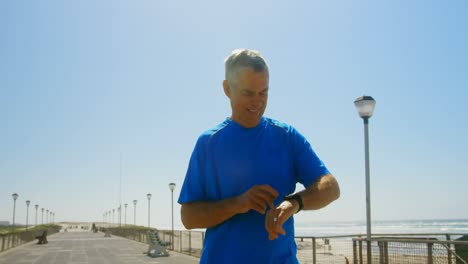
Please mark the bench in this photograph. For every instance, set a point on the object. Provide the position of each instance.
(42, 239)
(107, 232)
(156, 248)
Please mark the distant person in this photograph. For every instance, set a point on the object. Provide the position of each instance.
(242, 175)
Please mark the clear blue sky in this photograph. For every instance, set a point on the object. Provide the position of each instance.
(84, 83)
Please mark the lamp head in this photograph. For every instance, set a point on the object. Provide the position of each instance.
(28, 202)
(149, 196)
(15, 196)
(365, 106)
(172, 186)
(135, 202)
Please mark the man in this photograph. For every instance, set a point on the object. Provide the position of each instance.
(242, 172)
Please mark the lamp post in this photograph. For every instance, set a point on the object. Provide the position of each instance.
(172, 187)
(119, 210)
(134, 211)
(15, 196)
(149, 212)
(113, 214)
(36, 206)
(365, 106)
(42, 215)
(125, 221)
(27, 213)
(47, 216)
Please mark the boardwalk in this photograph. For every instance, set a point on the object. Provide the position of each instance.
(87, 248)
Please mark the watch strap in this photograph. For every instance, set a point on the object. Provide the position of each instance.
(296, 197)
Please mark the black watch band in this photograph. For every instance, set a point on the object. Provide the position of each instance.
(296, 197)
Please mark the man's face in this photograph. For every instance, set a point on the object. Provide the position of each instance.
(249, 97)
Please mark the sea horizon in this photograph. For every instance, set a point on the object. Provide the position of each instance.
(414, 226)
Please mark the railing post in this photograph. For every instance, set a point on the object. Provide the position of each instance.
(449, 252)
(354, 252)
(386, 252)
(180, 241)
(369, 251)
(381, 252)
(360, 251)
(429, 252)
(203, 240)
(314, 251)
(190, 242)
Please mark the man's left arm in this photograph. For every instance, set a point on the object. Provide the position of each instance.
(317, 195)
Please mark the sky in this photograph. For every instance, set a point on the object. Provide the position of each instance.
(101, 102)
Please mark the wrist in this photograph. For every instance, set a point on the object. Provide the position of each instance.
(295, 200)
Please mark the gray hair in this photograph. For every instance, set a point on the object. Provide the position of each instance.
(240, 60)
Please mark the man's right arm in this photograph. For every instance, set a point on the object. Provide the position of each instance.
(205, 214)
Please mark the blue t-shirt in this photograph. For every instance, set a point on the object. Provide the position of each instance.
(227, 161)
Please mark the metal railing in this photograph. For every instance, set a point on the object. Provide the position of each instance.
(187, 242)
(385, 248)
(410, 250)
(17, 238)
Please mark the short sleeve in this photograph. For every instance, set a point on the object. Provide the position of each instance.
(193, 188)
(308, 167)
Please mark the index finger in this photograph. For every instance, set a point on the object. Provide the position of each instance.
(269, 191)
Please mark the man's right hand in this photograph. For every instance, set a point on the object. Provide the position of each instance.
(204, 214)
(257, 198)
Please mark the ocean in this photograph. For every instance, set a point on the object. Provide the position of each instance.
(459, 226)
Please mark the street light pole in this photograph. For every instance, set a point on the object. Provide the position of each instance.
(172, 187)
(36, 206)
(149, 212)
(27, 213)
(119, 209)
(134, 212)
(42, 215)
(126, 204)
(47, 216)
(15, 196)
(365, 106)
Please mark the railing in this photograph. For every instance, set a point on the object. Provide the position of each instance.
(410, 250)
(385, 248)
(187, 242)
(17, 238)
(335, 249)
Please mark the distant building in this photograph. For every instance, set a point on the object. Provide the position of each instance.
(4, 223)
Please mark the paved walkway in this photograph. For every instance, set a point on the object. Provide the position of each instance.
(87, 248)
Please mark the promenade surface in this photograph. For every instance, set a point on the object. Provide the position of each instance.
(87, 248)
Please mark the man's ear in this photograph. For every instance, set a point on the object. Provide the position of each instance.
(227, 91)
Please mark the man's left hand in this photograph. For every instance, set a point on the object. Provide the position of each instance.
(276, 217)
